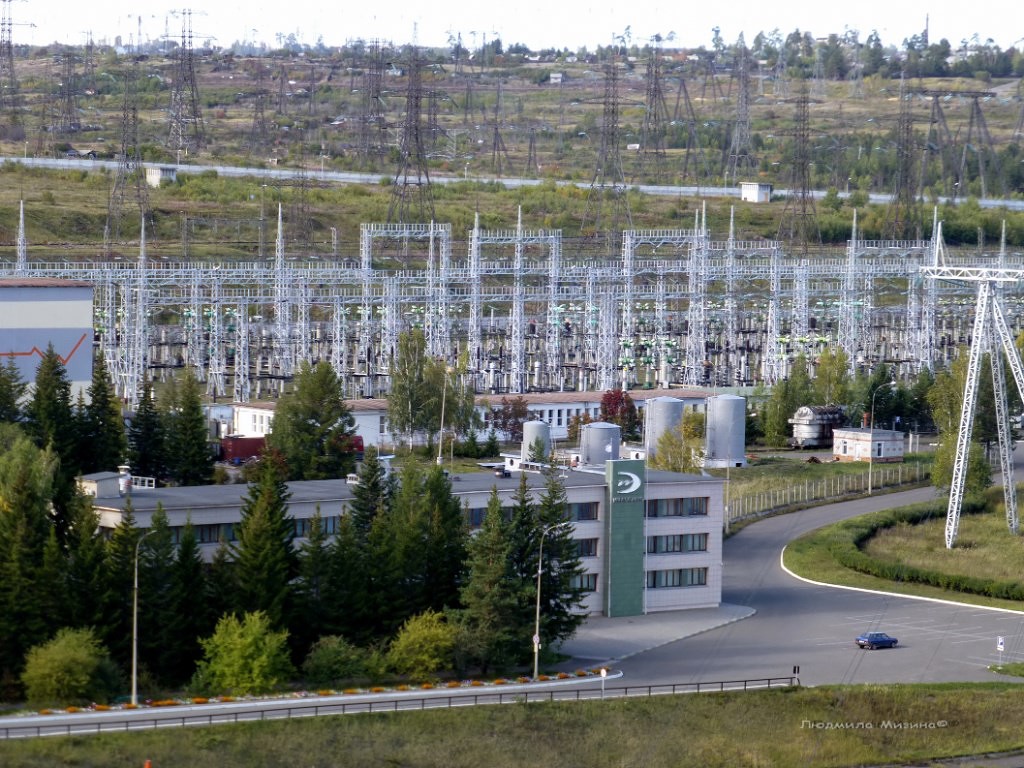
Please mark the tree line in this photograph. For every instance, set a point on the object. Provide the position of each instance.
(395, 585)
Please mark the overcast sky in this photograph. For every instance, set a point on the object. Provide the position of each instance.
(534, 23)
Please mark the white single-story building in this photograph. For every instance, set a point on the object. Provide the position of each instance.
(755, 192)
(157, 174)
(879, 446)
(254, 419)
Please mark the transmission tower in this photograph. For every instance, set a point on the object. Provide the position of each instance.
(531, 153)
(10, 102)
(186, 121)
(693, 151)
(651, 159)
(799, 222)
(411, 196)
(372, 123)
(939, 145)
(979, 145)
(68, 120)
(608, 187)
(129, 161)
(259, 134)
(856, 75)
(498, 151)
(990, 335)
(739, 159)
(903, 216)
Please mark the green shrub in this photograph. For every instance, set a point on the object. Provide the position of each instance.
(243, 657)
(72, 668)
(333, 659)
(424, 645)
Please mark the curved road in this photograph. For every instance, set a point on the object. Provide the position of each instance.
(813, 627)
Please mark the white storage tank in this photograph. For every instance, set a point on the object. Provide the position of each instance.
(532, 432)
(661, 415)
(726, 431)
(599, 441)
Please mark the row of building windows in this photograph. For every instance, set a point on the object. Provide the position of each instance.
(677, 507)
(579, 512)
(677, 577)
(214, 533)
(680, 542)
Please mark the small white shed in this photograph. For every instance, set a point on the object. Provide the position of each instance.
(155, 175)
(879, 446)
(755, 191)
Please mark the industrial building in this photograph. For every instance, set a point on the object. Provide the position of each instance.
(649, 540)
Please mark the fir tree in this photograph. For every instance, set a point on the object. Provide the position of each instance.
(369, 496)
(86, 560)
(147, 453)
(312, 595)
(193, 618)
(189, 458)
(158, 630)
(118, 586)
(48, 417)
(12, 390)
(103, 427)
(313, 427)
(351, 607)
(445, 545)
(489, 596)
(265, 561)
(561, 569)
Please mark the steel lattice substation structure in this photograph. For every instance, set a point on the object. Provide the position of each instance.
(678, 307)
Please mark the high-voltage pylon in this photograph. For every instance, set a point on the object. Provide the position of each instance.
(372, 122)
(129, 162)
(68, 113)
(978, 152)
(499, 152)
(607, 201)
(651, 159)
(695, 161)
(991, 334)
(259, 133)
(696, 313)
(903, 216)
(856, 74)
(531, 153)
(739, 160)
(21, 257)
(186, 120)
(10, 101)
(411, 196)
(939, 149)
(798, 225)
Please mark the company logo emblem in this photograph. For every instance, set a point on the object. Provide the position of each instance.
(626, 483)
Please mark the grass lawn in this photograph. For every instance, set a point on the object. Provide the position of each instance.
(825, 726)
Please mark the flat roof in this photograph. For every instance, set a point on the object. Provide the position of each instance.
(338, 490)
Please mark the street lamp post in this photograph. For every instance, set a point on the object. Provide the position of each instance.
(871, 432)
(536, 622)
(135, 621)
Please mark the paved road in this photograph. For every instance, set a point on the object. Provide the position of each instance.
(811, 626)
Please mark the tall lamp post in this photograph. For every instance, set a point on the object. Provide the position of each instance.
(135, 621)
(871, 432)
(536, 622)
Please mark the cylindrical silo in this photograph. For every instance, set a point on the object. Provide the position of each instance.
(725, 430)
(599, 441)
(661, 415)
(532, 432)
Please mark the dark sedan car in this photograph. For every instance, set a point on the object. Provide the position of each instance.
(874, 640)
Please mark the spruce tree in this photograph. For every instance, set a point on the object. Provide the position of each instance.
(264, 558)
(489, 596)
(188, 452)
(158, 629)
(103, 428)
(445, 545)
(312, 588)
(369, 496)
(313, 428)
(351, 606)
(561, 569)
(50, 420)
(86, 562)
(12, 390)
(193, 618)
(147, 453)
(118, 588)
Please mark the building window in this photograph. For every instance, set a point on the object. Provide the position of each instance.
(214, 533)
(586, 582)
(586, 510)
(677, 577)
(587, 547)
(689, 507)
(475, 517)
(680, 542)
